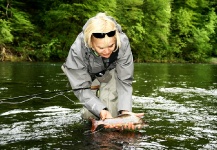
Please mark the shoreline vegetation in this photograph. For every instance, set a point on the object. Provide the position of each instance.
(167, 31)
(8, 56)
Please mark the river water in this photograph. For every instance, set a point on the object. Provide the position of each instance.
(38, 111)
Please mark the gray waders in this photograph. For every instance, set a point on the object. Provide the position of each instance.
(107, 94)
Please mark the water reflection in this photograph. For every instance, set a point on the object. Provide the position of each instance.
(114, 140)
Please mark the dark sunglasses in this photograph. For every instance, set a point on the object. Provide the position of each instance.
(102, 35)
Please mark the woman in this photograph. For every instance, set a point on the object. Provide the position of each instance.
(101, 55)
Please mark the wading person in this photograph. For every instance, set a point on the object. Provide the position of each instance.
(101, 55)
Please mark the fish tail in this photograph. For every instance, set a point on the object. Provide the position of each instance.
(94, 125)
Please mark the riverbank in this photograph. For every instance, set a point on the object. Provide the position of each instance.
(213, 60)
(8, 56)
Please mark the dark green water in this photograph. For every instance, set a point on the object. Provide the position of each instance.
(179, 102)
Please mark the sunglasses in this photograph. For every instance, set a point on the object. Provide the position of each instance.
(102, 35)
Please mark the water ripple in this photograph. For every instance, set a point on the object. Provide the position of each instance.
(48, 121)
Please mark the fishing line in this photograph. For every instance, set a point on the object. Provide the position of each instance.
(35, 96)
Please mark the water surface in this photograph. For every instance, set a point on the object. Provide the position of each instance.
(38, 111)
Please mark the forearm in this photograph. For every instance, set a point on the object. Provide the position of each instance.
(90, 101)
(81, 86)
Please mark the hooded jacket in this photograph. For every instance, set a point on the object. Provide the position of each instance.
(82, 64)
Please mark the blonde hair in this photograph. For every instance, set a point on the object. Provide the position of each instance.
(101, 23)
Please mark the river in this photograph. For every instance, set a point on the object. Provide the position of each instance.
(38, 111)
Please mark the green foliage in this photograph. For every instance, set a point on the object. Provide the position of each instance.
(50, 51)
(130, 13)
(94, 7)
(5, 32)
(192, 28)
(159, 30)
(20, 21)
(16, 28)
(156, 23)
(201, 39)
(63, 23)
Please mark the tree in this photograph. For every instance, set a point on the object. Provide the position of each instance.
(16, 27)
(193, 25)
(130, 16)
(158, 30)
(5, 32)
(63, 23)
(156, 23)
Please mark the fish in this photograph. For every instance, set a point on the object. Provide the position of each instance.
(120, 122)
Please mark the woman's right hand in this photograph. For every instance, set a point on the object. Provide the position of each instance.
(104, 114)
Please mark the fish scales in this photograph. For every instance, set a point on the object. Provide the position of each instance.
(119, 122)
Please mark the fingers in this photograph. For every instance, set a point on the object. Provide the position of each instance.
(105, 114)
(129, 126)
(139, 114)
(110, 126)
(103, 118)
(102, 115)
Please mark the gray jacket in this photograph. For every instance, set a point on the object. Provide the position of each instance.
(81, 66)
